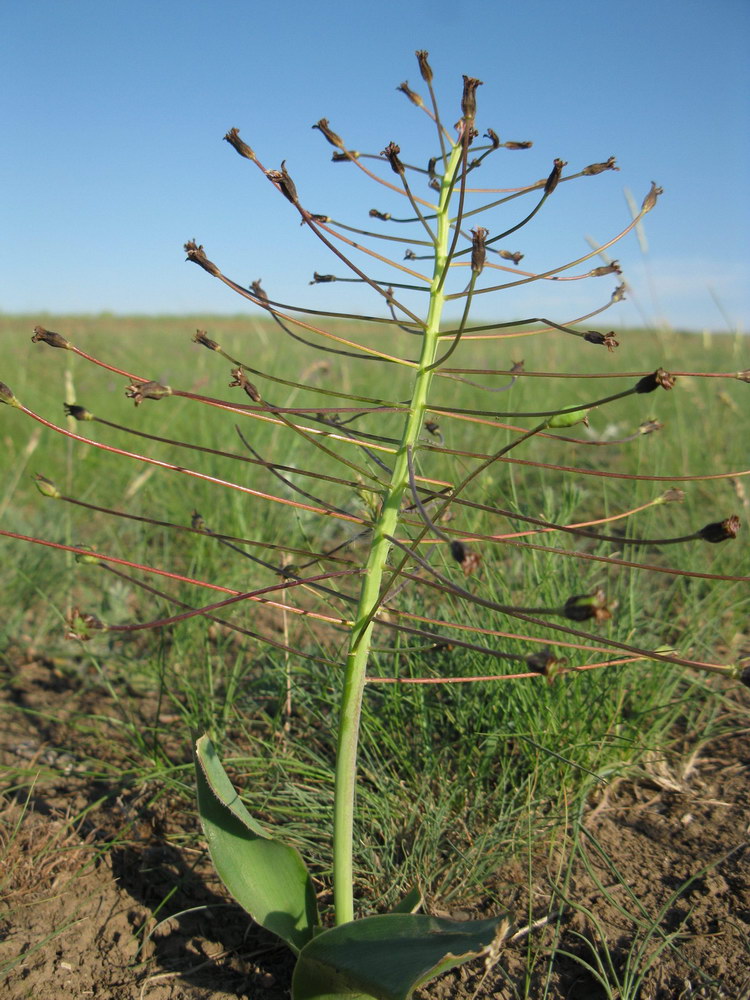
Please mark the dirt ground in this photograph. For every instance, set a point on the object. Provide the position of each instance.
(121, 902)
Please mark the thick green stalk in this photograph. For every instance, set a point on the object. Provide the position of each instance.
(386, 526)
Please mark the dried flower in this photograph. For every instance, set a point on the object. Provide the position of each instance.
(720, 531)
(469, 98)
(391, 152)
(335, 140)
(77, 412)
(494, 138)
(478, 249)
(346, 157)
(138, 391)
(197, 523)
(525, 144)
(650, 426)
(6, 395)
(233, 138)
(201, 338)
(412, 95)
(619, 293)
(51, 338)
(545, 662)
(196, 254)
(383, 216)
(81, 625)
(515, 256)
(582, 607)
(47, 488)
(284, 182)
(241, 380)
(598, 168)
(258, 292)
(671, 496)
(743, 376)
(424, 67)
(322, 279)
(649, 383)
(650, 200)
(611, 268)
(554, 177)
(608, 340)
(467, 559)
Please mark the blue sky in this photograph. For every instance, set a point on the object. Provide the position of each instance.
(114, 113)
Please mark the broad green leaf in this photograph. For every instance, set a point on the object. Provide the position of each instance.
(411, 902)
(266, 877)
(387, 957)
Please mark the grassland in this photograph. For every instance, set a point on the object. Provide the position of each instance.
(456, 780)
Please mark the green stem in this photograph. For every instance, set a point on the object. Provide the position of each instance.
(384, 528)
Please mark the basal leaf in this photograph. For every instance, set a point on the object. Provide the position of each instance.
(266, 877)
(386, 957)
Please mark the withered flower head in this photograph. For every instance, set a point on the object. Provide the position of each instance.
(611, 268)
(383, 216)
(598, 168)
(494, 138)
(197, 523)
(409, 255)
(77, 412)
(468, 560)
(241, 380)
(284, 182)
(322, 279)
(391, 152)
(672, 496)
(6, 395)
(649, 426)
(258, 291)
(608, 340)
(582, 607)
(515, 256)
(49, 337)
(233, 138)
(412, 95)
(432, 427)
(554, 177)
(649, 383)
(335, 140)
(202, 338)
(138, 391)
(545, 662)
(197, 255)
(346, 157)
(469, 98)
(424, 67)
(525, 144)
(47, 488)
(743, 376)
(650, 200)
(478, 249)
(80, 625)
(720, 531)
(431, 164)
(316, 217)
(619, 293)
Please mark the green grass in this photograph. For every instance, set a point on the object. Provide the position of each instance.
(463, 774)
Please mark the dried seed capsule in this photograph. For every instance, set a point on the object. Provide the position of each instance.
(720, 531)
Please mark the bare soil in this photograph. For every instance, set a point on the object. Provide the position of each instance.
(107, 891)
